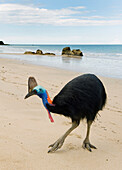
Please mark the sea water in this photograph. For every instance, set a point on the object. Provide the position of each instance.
(103, 60)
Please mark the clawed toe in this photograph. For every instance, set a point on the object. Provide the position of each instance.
(92, 146)
(88, 146)
(57, 145)
(51, 145)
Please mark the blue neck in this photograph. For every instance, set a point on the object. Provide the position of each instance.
(44, 99)
(42, 93)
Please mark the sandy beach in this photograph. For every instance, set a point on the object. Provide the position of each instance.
(26, 132)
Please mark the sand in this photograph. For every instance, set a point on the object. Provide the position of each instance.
(26, 132)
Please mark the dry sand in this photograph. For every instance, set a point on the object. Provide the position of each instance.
(26, 131)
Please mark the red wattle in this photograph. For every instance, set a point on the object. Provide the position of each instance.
(50, 117)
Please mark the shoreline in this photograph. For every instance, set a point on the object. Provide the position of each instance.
(67, 63)
(29, 63)
(26, 131)
(70, 56)
(13, 53)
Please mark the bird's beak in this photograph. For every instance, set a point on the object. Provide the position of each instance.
(30, 94)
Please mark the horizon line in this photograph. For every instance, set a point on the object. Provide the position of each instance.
(61, 44)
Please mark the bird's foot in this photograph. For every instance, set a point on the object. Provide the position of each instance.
(88, 146)
(57, 145)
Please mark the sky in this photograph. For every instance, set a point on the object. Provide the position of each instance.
(61, 21)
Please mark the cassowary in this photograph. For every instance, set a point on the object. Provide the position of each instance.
(80, 98)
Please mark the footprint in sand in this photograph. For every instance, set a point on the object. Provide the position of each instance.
(3, 78)
(70, 146)
(76, 135)
(103, 127)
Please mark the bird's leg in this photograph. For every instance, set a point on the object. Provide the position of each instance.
(58, 144)
(86, 142)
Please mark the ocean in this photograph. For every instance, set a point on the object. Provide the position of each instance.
(102, 60)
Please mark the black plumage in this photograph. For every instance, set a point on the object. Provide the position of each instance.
(80, 98)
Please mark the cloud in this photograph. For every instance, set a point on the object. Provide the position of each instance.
(72, 16)
(78, 7)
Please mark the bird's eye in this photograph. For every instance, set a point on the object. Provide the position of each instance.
(35, 91)
(40, 90)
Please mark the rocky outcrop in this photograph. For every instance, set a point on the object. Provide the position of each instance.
(75, 52)
(29, 52)
(2, 43)
(38, 52)
(67, 51)
(49, 54)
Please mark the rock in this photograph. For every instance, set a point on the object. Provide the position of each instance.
(67, 51)
(2, 43)
(49, 54)
(39, 52)
(77, 52)
(29, 52)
